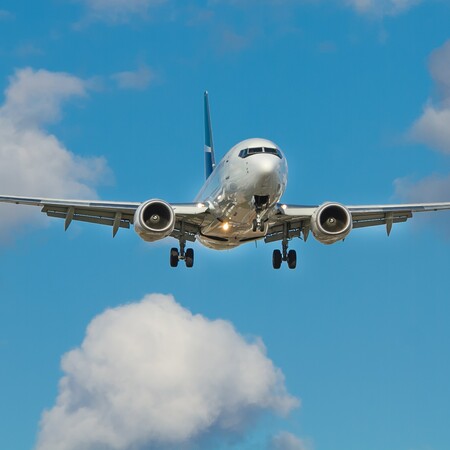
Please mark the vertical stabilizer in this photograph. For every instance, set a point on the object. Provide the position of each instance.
(210, 162)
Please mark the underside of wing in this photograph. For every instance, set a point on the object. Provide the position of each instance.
(188, 216)
(297, 220)
(289, 222)
(115, 214)
(189, 220)
(373, 215)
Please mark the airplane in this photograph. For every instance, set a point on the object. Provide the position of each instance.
(238, 203)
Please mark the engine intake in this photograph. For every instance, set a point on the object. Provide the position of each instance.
(154, 220)
(331, 223)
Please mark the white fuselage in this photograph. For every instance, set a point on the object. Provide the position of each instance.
(248, 181)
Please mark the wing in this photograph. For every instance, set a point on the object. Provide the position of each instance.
(372, 215)
(115, 214)
(295, 219)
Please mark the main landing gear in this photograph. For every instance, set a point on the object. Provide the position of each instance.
(289, 256)
(186, 255)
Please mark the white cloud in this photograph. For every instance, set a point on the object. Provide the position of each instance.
(287, 441)
(34, 97)
(152, 375)
(33, 161)
(381, 7)
(433, 129)
(138, 79)
(434, 188)
(433, 126)
(440, 69)
(119, 10)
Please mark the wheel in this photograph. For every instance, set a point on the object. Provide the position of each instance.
(173, 257)
(292, 259)
(254, 226)
(276, 259)
(189, 257)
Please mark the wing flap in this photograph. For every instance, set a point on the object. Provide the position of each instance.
(91, 219)
(375, 222)
(102, 216)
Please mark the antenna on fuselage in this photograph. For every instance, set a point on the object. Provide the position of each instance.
(210, 162)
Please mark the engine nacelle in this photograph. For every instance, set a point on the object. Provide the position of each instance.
(331, 223)
(154, 220)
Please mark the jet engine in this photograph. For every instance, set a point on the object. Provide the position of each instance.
(154, 220)
(331, 222)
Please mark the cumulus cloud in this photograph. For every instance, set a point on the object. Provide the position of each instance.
(33, 162)
(434, 188)
(119, 10)
(139, 79)
(287, 441)
(153, 375)
(381, 7)
(433, 126)
(34, 98)
(433, 129)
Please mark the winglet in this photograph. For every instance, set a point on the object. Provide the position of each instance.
(210, 163)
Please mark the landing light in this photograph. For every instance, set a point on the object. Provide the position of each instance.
(226, 226)
(283, 206)
(200, 205)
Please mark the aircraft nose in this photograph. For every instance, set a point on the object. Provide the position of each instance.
(267, 164)
(266, 173)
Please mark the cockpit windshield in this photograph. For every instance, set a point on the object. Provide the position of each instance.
(254, 150)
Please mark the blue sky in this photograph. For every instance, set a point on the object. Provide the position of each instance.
(103, 99)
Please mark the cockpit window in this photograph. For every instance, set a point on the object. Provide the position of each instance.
(254, 150)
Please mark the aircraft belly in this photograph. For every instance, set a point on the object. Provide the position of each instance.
(236, 231)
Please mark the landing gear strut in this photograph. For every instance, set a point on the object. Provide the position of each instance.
(289, 256)
(261, 202)
(185, 254)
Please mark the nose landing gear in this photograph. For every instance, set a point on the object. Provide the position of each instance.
(261, 202)
(257, 224)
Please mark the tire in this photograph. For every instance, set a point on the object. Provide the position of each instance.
(189, 257)
(292, 259)
(254, 226)
(174, 257)
(276, 259)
